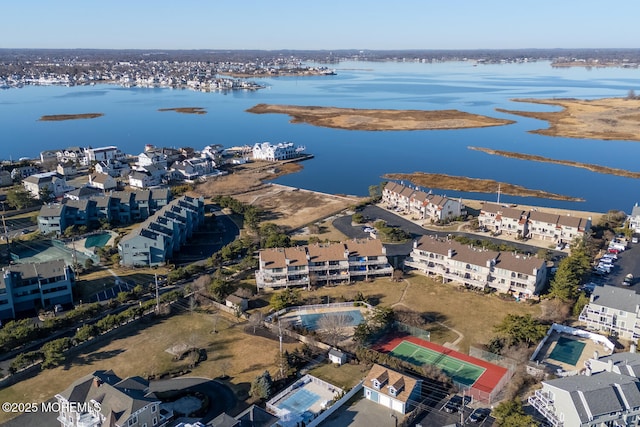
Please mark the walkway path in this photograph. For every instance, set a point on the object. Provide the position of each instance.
(455, 345)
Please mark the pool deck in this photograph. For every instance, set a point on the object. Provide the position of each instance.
(293, 317)
(587, 353)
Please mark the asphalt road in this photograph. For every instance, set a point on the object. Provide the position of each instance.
(373, 213)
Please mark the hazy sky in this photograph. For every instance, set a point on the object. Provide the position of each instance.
(320, 24)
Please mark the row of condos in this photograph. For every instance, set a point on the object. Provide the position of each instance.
(332, 263)
(520, 275)
(30, 287)
(273, 152)
(121, 207)
(420, 204)
(614, 311)
(162, 235)
(533, 224)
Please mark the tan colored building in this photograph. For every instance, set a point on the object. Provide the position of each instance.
(322, 264)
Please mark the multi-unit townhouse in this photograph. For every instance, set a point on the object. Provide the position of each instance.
(322, 264)
(104, 399)
(72, 154)
(5, 179)
(51, 181)
(607, 395)
(613, 310)
(123, 207)
(420, 204)
(392, 389)
(519, 275)
(192, 169)
(498, 219)
(22, 172)
(271, 152)
(158, 238)
(29, 287)
(103, 154)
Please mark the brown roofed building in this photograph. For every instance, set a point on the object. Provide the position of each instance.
(391, 389)
(519, 275)
(421, 205)
(322, 263)
(542, 226)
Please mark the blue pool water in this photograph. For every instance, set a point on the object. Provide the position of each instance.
(299, 402)
(351, 317)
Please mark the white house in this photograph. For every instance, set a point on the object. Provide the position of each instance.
(102, 181)
(337, 357)
(104, 153)
(56, 184)
(270, 152)
(392, 389)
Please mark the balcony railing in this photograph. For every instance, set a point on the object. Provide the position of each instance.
(538, 402)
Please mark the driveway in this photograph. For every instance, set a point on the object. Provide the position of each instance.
(373, 213)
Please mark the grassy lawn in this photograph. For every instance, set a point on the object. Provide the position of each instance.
(141, 351)
(345, 376)
(99, 278)
(473, 314)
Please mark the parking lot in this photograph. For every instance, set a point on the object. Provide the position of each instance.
(628, 262)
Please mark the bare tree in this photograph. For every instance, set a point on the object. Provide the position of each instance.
(224, 366)
(255, 320)
(333, 327)
(214, 319)
(193, 304)
(201, 283)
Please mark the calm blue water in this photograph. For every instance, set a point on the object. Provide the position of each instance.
(349, 161)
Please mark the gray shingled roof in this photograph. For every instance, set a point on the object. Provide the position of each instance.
(617, 298)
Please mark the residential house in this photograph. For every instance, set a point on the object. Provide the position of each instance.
(102, 181)
(54, 218)
(5, 178)
(51, 181)
(522, 276)
(192, 169)
(30, 287)
(104, 399)
(542, 226)
(21, 172)
(67, 169)
(634, 219)
(608, 395)
(149, 176)
(83, 193)
(113, 167)
(392, 389)
(613, 310)
(322, 264)
(280, 151)
(49, 157)
(104, 153)
(253, 416)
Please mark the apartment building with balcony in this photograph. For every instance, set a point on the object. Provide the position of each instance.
(613, 310)
(421, 205)
(522, 276)
(497, 218)
(608, 395)
(317, 264)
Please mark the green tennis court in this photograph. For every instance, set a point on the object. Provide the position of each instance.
(458, 370)
(567, 351)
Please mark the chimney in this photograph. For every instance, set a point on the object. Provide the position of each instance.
(415, 244)
(97, 382)
(610, 365)
(596, 355)
(450, 253)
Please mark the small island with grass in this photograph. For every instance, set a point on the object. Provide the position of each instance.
(606, 118)
(62, 117)
(474, 185)
(185, 110)
(380, 120)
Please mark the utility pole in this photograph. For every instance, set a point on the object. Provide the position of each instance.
(280, 339)
(157, 294)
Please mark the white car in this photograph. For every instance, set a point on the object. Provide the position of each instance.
(634, 240)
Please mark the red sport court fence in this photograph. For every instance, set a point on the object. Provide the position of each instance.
(474, 375)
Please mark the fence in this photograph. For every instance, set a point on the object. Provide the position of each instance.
(315, 308)
(326, 414)
(509, 364)
(412, 330)
(597, 338)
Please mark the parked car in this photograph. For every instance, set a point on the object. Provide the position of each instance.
(628, 280)
(634, 240)
(455, 403)
(479, 415)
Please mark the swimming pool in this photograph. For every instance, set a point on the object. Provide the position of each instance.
(98, 240)
(347, 318)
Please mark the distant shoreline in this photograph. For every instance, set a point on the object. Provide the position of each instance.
(185, 110)
(380, 120)
(605, 118)
(62, 117)
(474, 185)
(534, 158)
